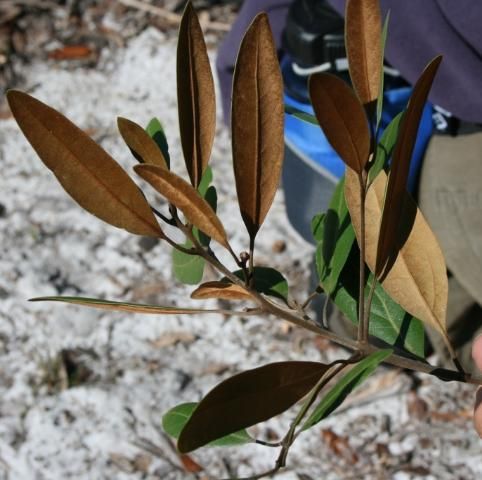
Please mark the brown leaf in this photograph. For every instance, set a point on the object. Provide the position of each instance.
(257, 124)
(418, 278)
(342, 119)
(86, 171)
(71, 52)
(402, 154)
(183, 196)
(142, 146)
(195, 96)
(189, 464)
(223, 290)
(363, 26)
(247, 399)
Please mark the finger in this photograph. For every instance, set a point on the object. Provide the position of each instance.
(477, 352)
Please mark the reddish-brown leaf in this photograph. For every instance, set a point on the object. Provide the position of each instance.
(397, 180)
(142, 146)
(189, 464)
(186, 198)
(195, 96)
(363, 26)
(85, 170)
(222, 290)
(342, 119)
(257, 124)
(71, 52)
(247, 399)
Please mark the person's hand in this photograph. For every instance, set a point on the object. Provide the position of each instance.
(477, 356)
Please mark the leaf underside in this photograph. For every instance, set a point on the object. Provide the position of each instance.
(417, 281)
(257, 124)
(84, 169)
(195, 96)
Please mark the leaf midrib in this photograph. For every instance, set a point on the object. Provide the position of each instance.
(53, 134)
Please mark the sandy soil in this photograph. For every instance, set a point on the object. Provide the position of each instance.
(82, 391)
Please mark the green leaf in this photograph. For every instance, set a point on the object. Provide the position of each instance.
(382, 76)
(317, 227)
(156, 131)
(306, 117)
(122, 306)
(385, 147)
(268, 281)
(188, 269)
(249, 398)
(337, 237)
(211, 197)
(206, 180)
(175, 419)
(388, 321)
(335, 397)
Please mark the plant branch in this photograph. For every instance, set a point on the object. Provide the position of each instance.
(361, 296)
(312, 296)
(169, 221)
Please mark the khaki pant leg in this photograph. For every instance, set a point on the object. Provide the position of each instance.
(450, 196)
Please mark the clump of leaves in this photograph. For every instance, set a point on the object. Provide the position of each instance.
(371, 222)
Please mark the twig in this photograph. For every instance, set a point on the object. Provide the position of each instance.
(361, 297)
(171, 17)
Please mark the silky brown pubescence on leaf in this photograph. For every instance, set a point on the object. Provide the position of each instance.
(195, 96)
(221, 290)
(247, 399)
(363, 26)
(184, 197)
(85, 170)
(342, 119)
(142, 146)
(257, 124)
(400, 167)
(417, 280)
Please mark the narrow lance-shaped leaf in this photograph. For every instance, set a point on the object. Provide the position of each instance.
(183, 196)
(123, 306)
(342, 119)
(417, 280)
(195, 96)
(176, 418)
(385, 147)
(85, 170)
(222, 290)
(382, 73)
(257, 124)
(397, 182)
(247, 399)
(337, 394)
(142, 146)
(301, 115)
(363, 47)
